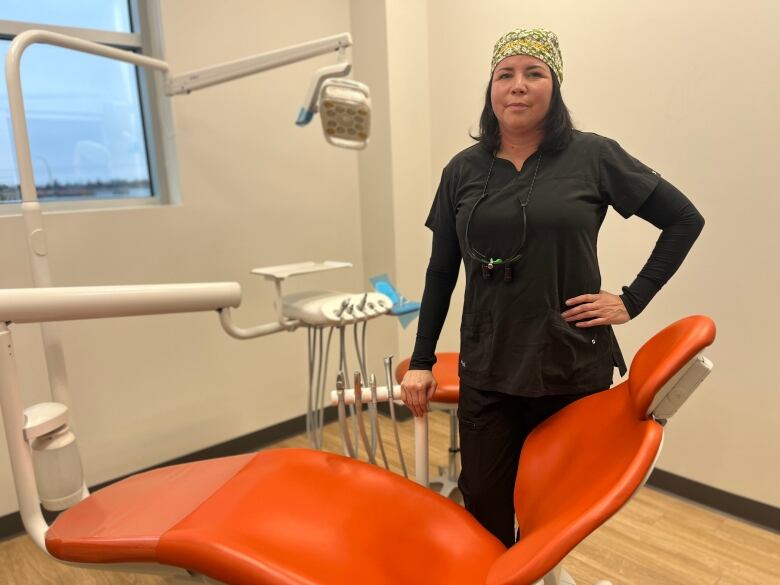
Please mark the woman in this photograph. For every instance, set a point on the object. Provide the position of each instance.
(522, 209)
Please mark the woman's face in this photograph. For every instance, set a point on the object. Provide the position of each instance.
(520, 93)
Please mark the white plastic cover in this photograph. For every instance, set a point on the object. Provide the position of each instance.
(676, 391)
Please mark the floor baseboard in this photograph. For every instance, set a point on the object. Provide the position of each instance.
(740, 507)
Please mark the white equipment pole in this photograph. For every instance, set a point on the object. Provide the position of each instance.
(421, 449)
(37, 247)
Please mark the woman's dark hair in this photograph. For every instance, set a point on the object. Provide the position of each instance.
(557, 125)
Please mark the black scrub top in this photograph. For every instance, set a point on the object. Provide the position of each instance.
(513, 338)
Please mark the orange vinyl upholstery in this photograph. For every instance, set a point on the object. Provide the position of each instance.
(124, 522)
(290, 516)
(302, 517)
(445, 370)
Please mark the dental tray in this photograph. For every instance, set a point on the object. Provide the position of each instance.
(284, 271)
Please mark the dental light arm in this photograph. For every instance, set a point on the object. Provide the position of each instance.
(346, 117)
(194, 80)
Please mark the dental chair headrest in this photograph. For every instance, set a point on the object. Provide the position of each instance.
(664, 356)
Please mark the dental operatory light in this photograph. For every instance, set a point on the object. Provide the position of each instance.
(345, 110)
(344, 104)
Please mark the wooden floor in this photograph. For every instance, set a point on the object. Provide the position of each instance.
(656, 539)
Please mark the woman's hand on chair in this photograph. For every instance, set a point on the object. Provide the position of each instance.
(417, 388)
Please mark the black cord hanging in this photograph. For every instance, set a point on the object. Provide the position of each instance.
(488, 263)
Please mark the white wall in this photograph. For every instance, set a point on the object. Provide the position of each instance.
(256, 191)
(692, 90)
(394, 171)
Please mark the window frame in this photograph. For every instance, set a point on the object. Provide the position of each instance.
(156, 112)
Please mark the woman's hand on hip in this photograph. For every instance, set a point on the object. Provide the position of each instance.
(417, 388)
(589, 310)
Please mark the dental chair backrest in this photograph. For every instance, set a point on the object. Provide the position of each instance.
(580, 466)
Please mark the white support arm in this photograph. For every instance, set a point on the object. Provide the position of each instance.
(365, 395)
(256, 331)
(37, 305)
(200, 78)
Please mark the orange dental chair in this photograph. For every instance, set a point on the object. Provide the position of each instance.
(303, 517)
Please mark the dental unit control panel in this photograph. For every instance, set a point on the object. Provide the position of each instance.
(322, 308)
(325, 308)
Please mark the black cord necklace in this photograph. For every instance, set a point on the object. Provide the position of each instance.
(489, 262)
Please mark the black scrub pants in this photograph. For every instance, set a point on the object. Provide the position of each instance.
(493, 427)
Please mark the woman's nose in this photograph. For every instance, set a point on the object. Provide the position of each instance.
(520, 86)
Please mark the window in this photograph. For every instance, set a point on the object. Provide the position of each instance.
(92, 121)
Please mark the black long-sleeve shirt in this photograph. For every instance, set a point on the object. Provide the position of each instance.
(661, 204)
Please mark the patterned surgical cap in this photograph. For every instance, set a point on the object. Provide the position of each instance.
(536, 42)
